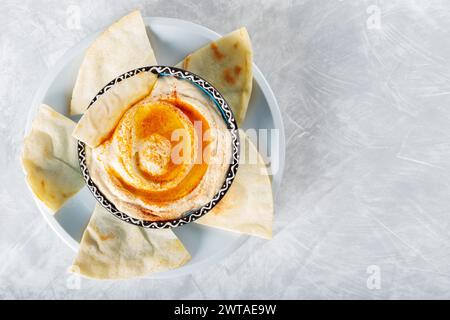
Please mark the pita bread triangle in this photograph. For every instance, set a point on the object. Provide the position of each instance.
(247, 207)
(113, 249)
(50, 160)
(124, 46)
(102, 117)
(227, 64)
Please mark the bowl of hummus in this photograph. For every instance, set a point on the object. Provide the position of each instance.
(170, 156)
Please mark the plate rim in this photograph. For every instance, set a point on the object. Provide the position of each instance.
(272, 103)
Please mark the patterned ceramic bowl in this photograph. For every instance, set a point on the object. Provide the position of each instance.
(228, 118)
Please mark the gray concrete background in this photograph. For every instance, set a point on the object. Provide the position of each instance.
(364, 88)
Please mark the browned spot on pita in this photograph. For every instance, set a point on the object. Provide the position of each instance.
(103, 236)
(228, 76)
(221, 207)
(236, 45)
(186, 62)
(217, 54)
(237, 70)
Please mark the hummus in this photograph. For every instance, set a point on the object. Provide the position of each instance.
(168, 154)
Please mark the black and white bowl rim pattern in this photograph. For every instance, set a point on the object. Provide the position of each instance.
(230, 121)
